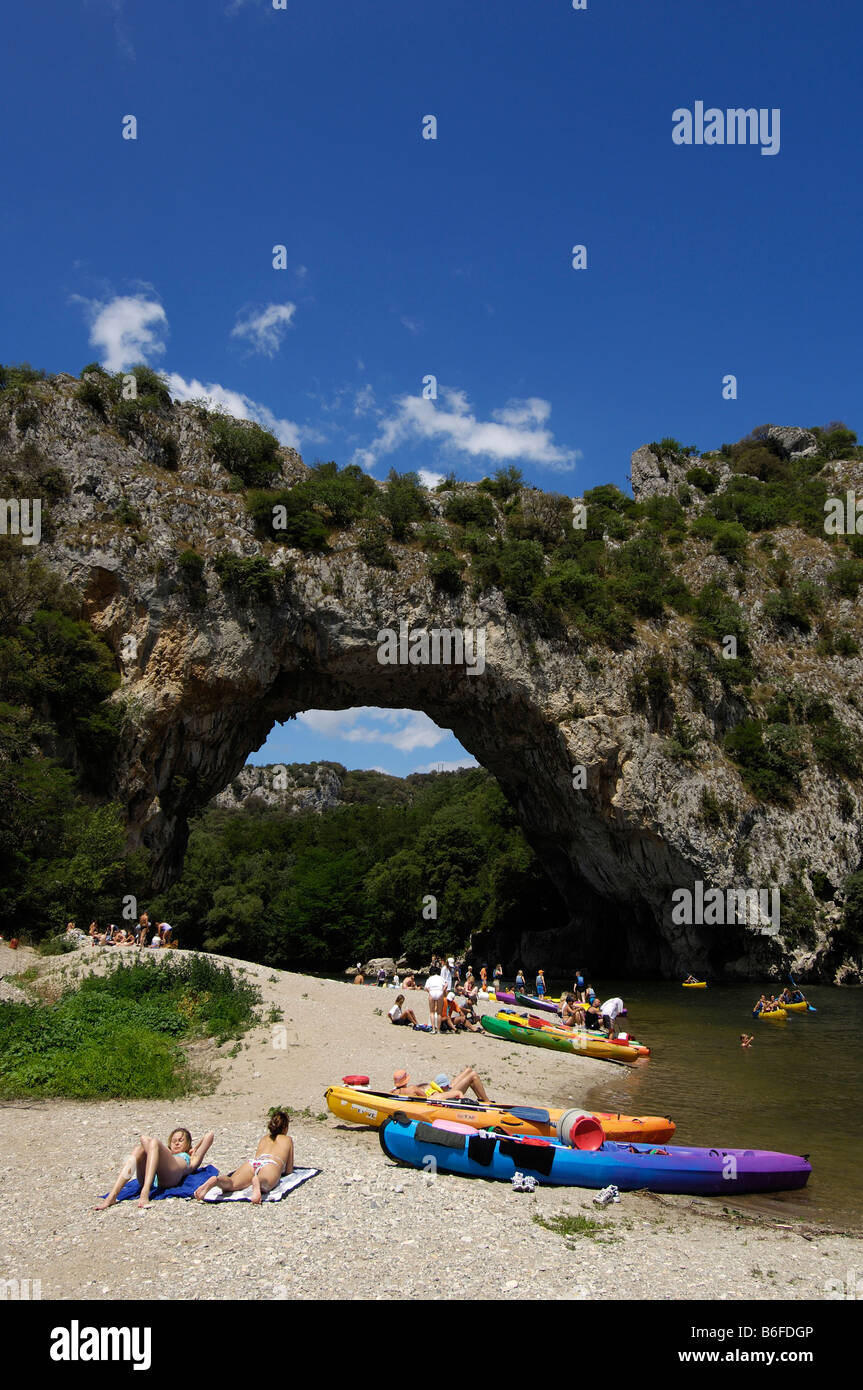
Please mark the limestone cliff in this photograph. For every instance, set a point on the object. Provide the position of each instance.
(207, 669)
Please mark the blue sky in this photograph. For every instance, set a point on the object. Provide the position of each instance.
(408, 257)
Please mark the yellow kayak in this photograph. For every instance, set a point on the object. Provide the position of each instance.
(373, 1107)
(695, 984)
(773, 1013)
(800, 1008)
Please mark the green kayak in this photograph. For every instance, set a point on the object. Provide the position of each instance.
(581, 1045)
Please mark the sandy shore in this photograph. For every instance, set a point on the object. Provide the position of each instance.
(364, 1228)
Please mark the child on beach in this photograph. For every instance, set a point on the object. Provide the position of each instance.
(166, 1165)
(274, 1157)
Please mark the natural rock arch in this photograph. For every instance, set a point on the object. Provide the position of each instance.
(206, 674)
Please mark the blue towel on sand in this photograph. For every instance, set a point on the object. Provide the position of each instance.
(187, 1188)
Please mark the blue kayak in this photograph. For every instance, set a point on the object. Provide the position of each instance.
(631, 1167)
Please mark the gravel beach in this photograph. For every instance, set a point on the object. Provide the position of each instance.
(363, 1228)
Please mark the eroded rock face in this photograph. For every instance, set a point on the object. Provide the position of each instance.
(278, 788)
(205, 677)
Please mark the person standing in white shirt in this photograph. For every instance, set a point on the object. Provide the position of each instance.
(611, 1011)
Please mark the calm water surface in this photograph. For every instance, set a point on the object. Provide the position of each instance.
(799, 1088)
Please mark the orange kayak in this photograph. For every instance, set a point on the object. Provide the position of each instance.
(373, 1107)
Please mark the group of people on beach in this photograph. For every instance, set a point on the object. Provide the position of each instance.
(452, 1005)
(452, 1012)
(157, 1165)
(153, 936)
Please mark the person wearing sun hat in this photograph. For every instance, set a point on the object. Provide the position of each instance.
(441, 1088)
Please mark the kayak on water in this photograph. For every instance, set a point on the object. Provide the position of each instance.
(769, 1013)
(695, 984)
(630, 1167)
(374, 1107)
(558, 1029)
(555, 1039)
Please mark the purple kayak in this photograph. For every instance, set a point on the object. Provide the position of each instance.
(528, 1001)
(631, 1167)
(504, 998)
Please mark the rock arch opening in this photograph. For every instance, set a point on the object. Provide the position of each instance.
(611, 873)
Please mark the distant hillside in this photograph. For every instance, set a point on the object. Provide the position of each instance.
(300, 788)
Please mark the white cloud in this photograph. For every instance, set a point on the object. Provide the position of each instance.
(429, 479)
(126, 329)
(235, 403)
(447, 767)
(265, 328)
(412, 325)
(404, 729)
(364, 399)
(518, 432)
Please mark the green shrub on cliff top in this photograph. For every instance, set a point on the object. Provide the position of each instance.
(246, 450)
(16, 374)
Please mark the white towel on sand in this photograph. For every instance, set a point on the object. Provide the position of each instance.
(281, 1189)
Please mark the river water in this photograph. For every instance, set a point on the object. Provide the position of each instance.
(798, 1089)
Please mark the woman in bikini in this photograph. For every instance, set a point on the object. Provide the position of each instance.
(154, 1162)
(273, 1159)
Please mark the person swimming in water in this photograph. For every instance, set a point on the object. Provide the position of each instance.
(165, 1165)
(274, 1157)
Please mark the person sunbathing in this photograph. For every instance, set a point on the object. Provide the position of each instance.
(165, 1165)
(441, 1088)
(274, 1157)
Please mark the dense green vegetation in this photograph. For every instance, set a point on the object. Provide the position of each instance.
(316, 891)
(62, 847)
(118, 1034)
(303, 516)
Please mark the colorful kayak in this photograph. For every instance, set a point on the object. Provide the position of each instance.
(528, 1001)
(558, 1029)
(695, 984)
(769, 1013)
(546, 1037)
(374, 1107)
(802, 1007)
(631, 1167)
